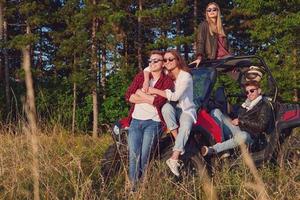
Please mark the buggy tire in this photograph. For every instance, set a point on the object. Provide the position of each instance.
(112, 162)
(265, 155)
(289, 151)
(192, 162)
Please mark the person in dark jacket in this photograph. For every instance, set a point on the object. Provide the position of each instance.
(253, 119)
(211, 38)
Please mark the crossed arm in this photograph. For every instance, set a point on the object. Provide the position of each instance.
(141, 97)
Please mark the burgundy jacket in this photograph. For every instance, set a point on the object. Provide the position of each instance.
(163, 83)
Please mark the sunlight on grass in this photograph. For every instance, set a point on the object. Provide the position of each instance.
(70, 168)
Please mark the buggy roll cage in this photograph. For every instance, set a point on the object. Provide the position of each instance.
(240, 62)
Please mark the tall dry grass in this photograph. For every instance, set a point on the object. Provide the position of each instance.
(69, 168)
(68, 165)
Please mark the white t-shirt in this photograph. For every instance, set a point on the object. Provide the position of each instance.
(183, 93)
(145, 111)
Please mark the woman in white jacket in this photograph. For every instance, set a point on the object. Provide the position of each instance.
(181, 107)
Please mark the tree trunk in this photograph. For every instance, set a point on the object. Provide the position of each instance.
(74, 107)
(1, 31)
(296, 64)
(195, 14)
(103, 73)
(74, 97)
(6, 68)
(31, 115)
(186, 52)
(178, 33)
(94, 69)
(126, 52)
(4, 57)
(139, 39)
(40, 56)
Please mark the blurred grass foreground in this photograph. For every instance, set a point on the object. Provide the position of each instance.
(70, 168)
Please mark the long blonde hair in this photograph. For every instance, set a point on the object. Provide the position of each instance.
(212, 28)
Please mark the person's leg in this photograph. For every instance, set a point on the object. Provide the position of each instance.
(239, 137)
(151, 135)
(169, 114)
(186, 122)
(135, 135)
(219, 118)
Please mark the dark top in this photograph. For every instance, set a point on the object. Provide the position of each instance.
(221, 50)
(207, 43)
(257, 120)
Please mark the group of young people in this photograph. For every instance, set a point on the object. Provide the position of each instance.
(161, 98)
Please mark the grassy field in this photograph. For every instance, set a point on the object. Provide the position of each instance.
(69, 168)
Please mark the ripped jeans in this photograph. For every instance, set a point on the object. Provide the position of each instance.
(238, 136)
(173, 114)
(143, 136)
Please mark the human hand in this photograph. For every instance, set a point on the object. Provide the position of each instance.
(151, 90)
(139, 92)
(196, 62)
(145, 86)
(235, 122)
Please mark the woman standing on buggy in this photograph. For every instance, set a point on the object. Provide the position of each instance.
(212, 39)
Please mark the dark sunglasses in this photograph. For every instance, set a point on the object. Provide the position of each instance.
(155, 61)
(252, 75)
(250, 91)
(212, 10)
(169, 59)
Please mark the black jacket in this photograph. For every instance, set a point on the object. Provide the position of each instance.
(256, 120)
(207, 43)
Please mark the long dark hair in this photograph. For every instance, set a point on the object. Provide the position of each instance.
(180, 61)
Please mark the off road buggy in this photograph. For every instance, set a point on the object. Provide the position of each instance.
(218, 84)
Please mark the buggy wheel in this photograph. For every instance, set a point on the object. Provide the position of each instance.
(266, 154)
(289, 152)
(164, 150)
(193, 165)
(113, 160)
(192, 162)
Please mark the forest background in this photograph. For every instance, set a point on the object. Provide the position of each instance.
(84, 53)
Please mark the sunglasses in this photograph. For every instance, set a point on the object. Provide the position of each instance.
(154, 61)
(169, 59)
(250, 91)
(211, 9)
(252, 75)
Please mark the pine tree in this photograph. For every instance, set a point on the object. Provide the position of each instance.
(274, 29)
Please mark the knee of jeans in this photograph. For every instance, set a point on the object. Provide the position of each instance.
(166, 109)
(185, 129)
(133, 156)
(243, 138)
(216, 112)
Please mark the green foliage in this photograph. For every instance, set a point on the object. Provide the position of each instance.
(275, 27)
(20, 41)
(61, 47)
(114, 106)
(54, 103)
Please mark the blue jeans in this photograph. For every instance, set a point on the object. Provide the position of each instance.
(218, 117)
(173, 114)
(228, 129)
(143, 135)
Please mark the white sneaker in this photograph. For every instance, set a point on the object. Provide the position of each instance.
(173, 165)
